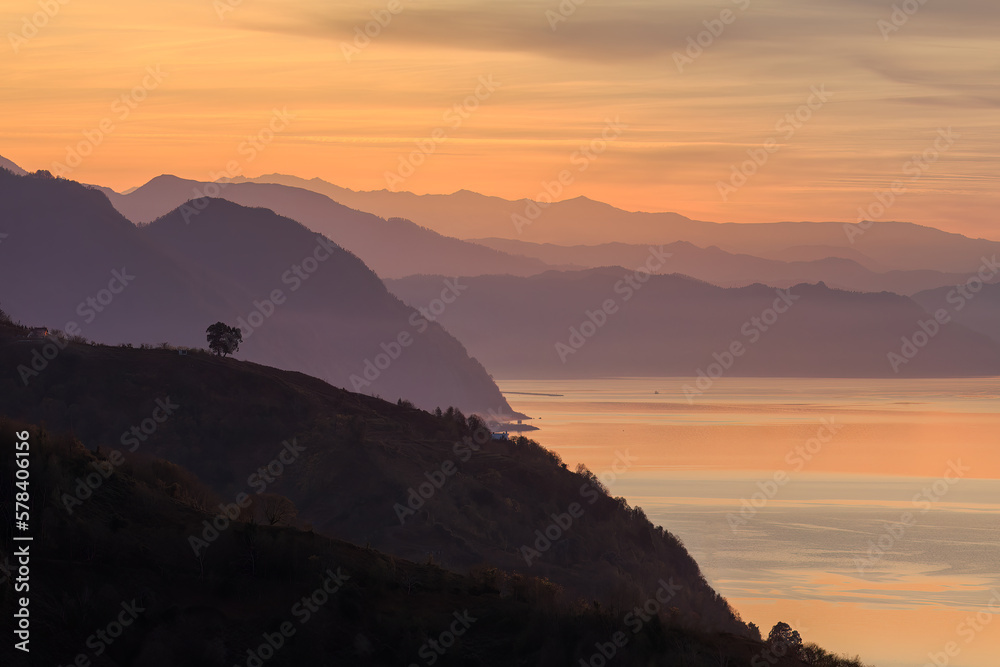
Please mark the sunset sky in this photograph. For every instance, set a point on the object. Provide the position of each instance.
(224, 67)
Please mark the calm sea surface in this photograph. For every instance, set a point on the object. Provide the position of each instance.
(865, 513)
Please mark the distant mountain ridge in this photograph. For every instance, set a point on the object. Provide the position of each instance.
(615, 322)
(468, 215)
(899, 257)
(974, 306)
(11, 167)
(727, 269)
(394, 247)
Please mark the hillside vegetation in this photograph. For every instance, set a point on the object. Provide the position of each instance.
(359, 459)
(280, 596)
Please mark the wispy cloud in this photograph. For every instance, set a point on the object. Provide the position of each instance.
(606, 59)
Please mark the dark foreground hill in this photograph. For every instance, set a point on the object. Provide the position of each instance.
(69, 260)
(113, 584)
(406, 482)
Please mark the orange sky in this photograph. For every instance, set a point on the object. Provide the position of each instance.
(227, 65)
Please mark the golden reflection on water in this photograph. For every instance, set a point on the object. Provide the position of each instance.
(695, 463)
(862, 446)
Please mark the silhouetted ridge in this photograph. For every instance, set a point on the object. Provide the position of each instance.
(212, 261)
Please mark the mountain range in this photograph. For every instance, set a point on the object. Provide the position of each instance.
(221, 258)
(620, 322)
(896, 257)
(73, 263)
(468, 215)
(393, 247)
(975, 308)
(846, 270)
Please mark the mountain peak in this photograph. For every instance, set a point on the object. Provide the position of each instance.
(165, 179)
(11, 167)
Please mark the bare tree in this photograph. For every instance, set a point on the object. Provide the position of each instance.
(277, 509)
